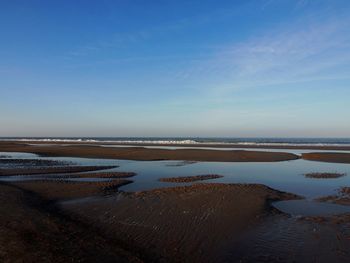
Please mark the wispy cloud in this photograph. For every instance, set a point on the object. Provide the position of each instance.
(310, 50)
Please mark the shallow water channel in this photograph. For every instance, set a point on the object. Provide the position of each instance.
(287, 176)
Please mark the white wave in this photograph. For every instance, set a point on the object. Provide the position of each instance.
(178, 142)
(107, 141)
(154, 142)
(289, 144)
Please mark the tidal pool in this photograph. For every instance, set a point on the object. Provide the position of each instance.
(287, 176)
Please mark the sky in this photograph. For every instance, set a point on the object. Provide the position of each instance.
(263, 68)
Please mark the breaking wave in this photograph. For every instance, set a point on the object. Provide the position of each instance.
(198, 141)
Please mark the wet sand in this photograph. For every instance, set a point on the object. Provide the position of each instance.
(32, 162)
(63, 190)
(200, 223)
(341, 198)
(33, 230)
(102, 175)
(93, 150)
(182, 224)
(324, 175)
(67, 221)
(293, 240)
(188, 179)
(181, 163)
(215, 145)
(327, 157)
(144, 154)
(290, 147)
(51, 170)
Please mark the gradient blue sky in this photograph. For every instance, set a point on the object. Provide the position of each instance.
(175, 68)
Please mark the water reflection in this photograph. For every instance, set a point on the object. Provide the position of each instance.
(310, 208)
(284, 176)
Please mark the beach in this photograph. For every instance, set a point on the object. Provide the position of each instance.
(175, 131)
(153, 154)
(140, 153)
(159, 225)
(64, 203)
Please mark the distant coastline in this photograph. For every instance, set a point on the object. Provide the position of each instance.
(195, 141)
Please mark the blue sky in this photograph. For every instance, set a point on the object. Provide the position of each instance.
(175, 68)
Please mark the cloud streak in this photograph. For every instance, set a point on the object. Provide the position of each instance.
(308, 51)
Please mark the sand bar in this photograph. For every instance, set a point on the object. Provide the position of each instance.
(51, 170)
(327, 157)
(214, 145)
(144, 154)
(324, 175)
(187, 179)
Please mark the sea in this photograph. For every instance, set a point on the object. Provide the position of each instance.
(258, 141)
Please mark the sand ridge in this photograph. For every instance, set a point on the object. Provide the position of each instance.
(52, 170)
(327, 157)
(33, 230)
(187, 179)
(182, 224)
(145, 154)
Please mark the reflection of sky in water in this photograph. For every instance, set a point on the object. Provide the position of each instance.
(17, 155)
(285, 176)
(310, 208)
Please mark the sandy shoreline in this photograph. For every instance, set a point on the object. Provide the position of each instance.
(58, 219)
(140, 153)
(243, 146)
(342, 197)
(188, 179)
(201, 223)
(187, 145)
(35, 230)
(63, 190)
(318, 175)
(180, 224)
(144, 154)
(51, 170)
(327, 157)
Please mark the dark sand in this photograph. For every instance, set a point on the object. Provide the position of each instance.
(231, 145)
(342, 198)
(187, 179)
(181, 163)
(294, 240)
(199, 223)
(62, 190)
(181, 224)
(290, 147)
(102, 175)
(327, 157)
(324, 175)
(32, 162)
(33, 230)
(52, 170)
(144, 154)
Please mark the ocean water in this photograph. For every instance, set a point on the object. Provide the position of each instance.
(259, 141)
